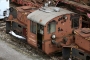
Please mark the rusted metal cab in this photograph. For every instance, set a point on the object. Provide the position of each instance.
(17, 21)
(82, 41)
(47, 27)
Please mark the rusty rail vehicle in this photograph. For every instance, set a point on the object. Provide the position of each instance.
(47, 28)
(62, 38)
(81, 9)
(53, 29)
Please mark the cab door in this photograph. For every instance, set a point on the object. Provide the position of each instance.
(39, 36)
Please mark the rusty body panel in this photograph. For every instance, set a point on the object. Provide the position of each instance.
(82, 38)
(43, 40)
(18, 20)
(82, 44)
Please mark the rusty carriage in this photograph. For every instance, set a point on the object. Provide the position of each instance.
(81, 50)
(47, 28)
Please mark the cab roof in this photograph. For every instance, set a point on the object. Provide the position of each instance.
(45, 14)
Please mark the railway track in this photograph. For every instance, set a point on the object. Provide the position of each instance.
(2, 24)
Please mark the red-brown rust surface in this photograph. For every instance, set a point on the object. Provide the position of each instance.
(82, 38)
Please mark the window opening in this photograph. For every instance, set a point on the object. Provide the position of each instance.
(33, 27)
(51, 27)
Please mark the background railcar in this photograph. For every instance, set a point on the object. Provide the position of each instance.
(4, 9)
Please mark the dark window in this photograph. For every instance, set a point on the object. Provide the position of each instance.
(33, 27)
(51, 27)
(75, 22)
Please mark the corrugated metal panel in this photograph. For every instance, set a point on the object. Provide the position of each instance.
(43, 16)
